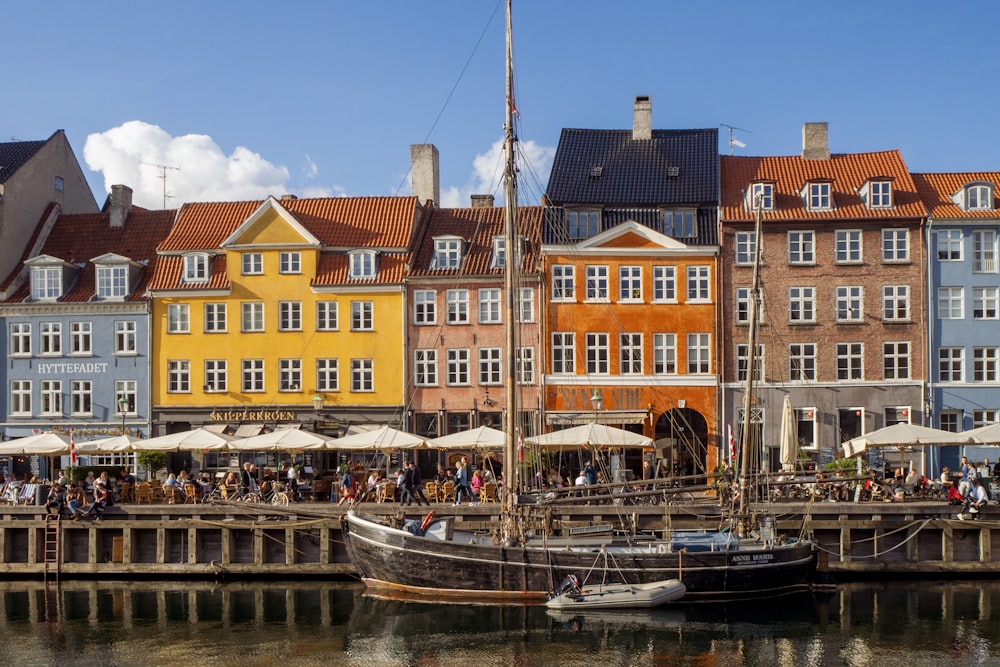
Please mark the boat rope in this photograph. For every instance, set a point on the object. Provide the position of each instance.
(605, 556)
(878, 554)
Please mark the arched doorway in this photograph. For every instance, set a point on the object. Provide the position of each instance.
(682, 441)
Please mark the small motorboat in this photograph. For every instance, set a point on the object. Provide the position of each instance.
(572, 596)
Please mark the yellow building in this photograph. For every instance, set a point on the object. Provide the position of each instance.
(289, 311)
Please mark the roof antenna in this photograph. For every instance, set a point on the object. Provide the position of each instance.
(733, 141)
(163, 174)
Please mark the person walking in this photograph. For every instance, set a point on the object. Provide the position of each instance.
(406, 485)
(462, 482)
(418, 485)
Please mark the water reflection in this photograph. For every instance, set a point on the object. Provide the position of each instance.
(175, 623)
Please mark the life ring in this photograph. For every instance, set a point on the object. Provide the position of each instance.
(427, 520)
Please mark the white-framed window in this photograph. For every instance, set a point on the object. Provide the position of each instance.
(896, 303)
(252, 316)
(112, 282)
(489, 305)
(363, 265)
(490, 366)
(597, 283)
(524, 365)
(46, 283)
(682, 224)
(950, 420)
(178, 376)
(51, 398)
(985, 303)
(20, 339)
(362, 316)
(802, 361)
(425, 307)
(216, 375)
(895, 245)
(178, 318)
(801, 247)
(597, 354)
(630, 284)
(880, 194)
(50, 339)
(457, 306)
(130, 390)
(563, 287)
(664, 353)
(81, 341)
(327, 316)
(362, 375)
(215, 318)
(805, 420)
(743, 363)
(850, 361)
(425, 367)
(984, 364)
(847, 246)
(984, 251)
(290, 261)
(949, 245)
(498, 259)
(289, 316)
(951, 364)
(762, 195)
(896, 360)
(196, 268)
(801, 305)
(290, 375)
(978, 198)
(327, 374)
(126, 332)
(252, 263)
(20, 398)
(849, 303)
(563, 353)
(699, 353)
(527, 304)
(664, 284)
(746, 248)
(630, 353)
(447, 253)
(984, 417)
(582, 224)
(252, 375)
(699, 286)
(742, 305)
(818, 196)
(457, 366)
(951, 303)
(81, 398)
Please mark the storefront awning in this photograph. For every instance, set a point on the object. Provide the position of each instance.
(575, 417)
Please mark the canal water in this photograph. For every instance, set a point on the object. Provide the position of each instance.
(296, 624)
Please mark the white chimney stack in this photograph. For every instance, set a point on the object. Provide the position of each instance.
(642, 120)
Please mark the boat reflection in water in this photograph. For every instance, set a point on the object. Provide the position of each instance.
(184, 623)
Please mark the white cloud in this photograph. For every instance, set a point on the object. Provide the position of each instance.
(125, 154)
(487, 173)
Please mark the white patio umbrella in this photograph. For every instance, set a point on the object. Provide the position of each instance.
(904, 435)
(985, 435)
(385, 437)
(483, 437)
(116, 443)
(591, 434)
(42, 444)
(197, 439)
(281, 440)
(789, 436)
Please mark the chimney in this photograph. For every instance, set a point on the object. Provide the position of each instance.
(121, 204)
(642, 120)
(425, 178)
(482, 201)
(814, 142)
(288, 197)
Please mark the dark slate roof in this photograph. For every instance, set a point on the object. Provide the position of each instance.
(13, 154)
(635, 172)
(554, 231)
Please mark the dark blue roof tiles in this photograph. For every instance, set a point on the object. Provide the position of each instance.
(610, 167)
(554, 228)
(13, 154)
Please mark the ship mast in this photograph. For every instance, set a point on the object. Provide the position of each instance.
(511, 283)
(746, 461)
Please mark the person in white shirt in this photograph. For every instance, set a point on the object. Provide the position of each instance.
(978, 498)
(581, 480)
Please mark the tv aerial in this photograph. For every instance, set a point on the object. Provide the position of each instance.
(163, 175)
(733, 141)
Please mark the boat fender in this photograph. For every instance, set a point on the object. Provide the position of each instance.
(427, 520)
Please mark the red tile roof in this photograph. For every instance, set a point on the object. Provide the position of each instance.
(333, 270)
(936, 191)
(847, 171)
(170, 268)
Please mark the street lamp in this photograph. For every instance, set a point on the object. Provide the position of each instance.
(123, 408)
(318, 403)
(597, 401)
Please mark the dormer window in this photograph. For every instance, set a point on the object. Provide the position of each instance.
(112, 282)
(447, 252)
(196, 268)
(818, 197)
(499, 259)
(978, 198)
(46, 283)
(762, 195)
(582, 224)
(363, 266)
(680, 224)
(880, 194)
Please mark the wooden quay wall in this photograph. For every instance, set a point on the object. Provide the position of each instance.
(304, 540)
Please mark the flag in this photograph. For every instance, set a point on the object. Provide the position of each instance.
(72, 449)
(520, 447)
(737, 143)
(732, 443)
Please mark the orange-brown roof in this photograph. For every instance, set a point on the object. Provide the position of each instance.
(478, 226)
(936, 191)
(333, 270)
(847, 171)
(80, 237)
(170, 268)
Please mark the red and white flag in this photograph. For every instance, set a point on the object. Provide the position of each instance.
(732, 443)
(520, 447)
(72, 449)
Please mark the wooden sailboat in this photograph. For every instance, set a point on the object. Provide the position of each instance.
(439, 561)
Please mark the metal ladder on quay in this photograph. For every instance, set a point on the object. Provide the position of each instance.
(53, 540)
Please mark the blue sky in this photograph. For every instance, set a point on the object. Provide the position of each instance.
(324, 98)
